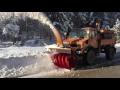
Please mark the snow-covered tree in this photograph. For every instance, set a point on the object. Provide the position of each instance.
(116, 28)
(11, 29)
(30, 22)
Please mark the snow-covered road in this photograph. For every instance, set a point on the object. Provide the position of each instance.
(16, 61)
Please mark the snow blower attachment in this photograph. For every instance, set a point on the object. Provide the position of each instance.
(82, 43)
(64, 58)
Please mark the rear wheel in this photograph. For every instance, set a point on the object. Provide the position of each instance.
(90, 57)
(110, 53)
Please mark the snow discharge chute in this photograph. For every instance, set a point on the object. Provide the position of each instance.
(64, 58)
(47, 21)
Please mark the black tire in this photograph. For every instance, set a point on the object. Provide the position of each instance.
(90, 57)
(110, 53)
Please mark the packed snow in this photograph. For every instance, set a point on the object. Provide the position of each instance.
(19, 61)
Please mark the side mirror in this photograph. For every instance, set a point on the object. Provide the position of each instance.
(90, 35)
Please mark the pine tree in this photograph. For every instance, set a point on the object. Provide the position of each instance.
(116, 28)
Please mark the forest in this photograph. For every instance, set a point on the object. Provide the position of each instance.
(28, 25)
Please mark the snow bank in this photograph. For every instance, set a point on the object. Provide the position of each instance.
(16, 67)
(17, 61)
(25, 61)
(20, 61)
(21, 51)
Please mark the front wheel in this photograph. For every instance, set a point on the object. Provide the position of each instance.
(90, 57)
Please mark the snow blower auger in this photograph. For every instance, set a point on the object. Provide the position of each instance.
(64, 58)
(82, 43)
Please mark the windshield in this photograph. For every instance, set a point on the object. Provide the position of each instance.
(80, 33)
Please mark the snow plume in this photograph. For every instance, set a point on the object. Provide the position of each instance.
(65, 20)
(44, 19)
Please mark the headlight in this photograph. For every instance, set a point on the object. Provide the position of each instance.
(78, 52)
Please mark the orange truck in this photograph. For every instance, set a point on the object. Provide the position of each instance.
(82, 43)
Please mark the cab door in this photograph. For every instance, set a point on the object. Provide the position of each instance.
(93, 39)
